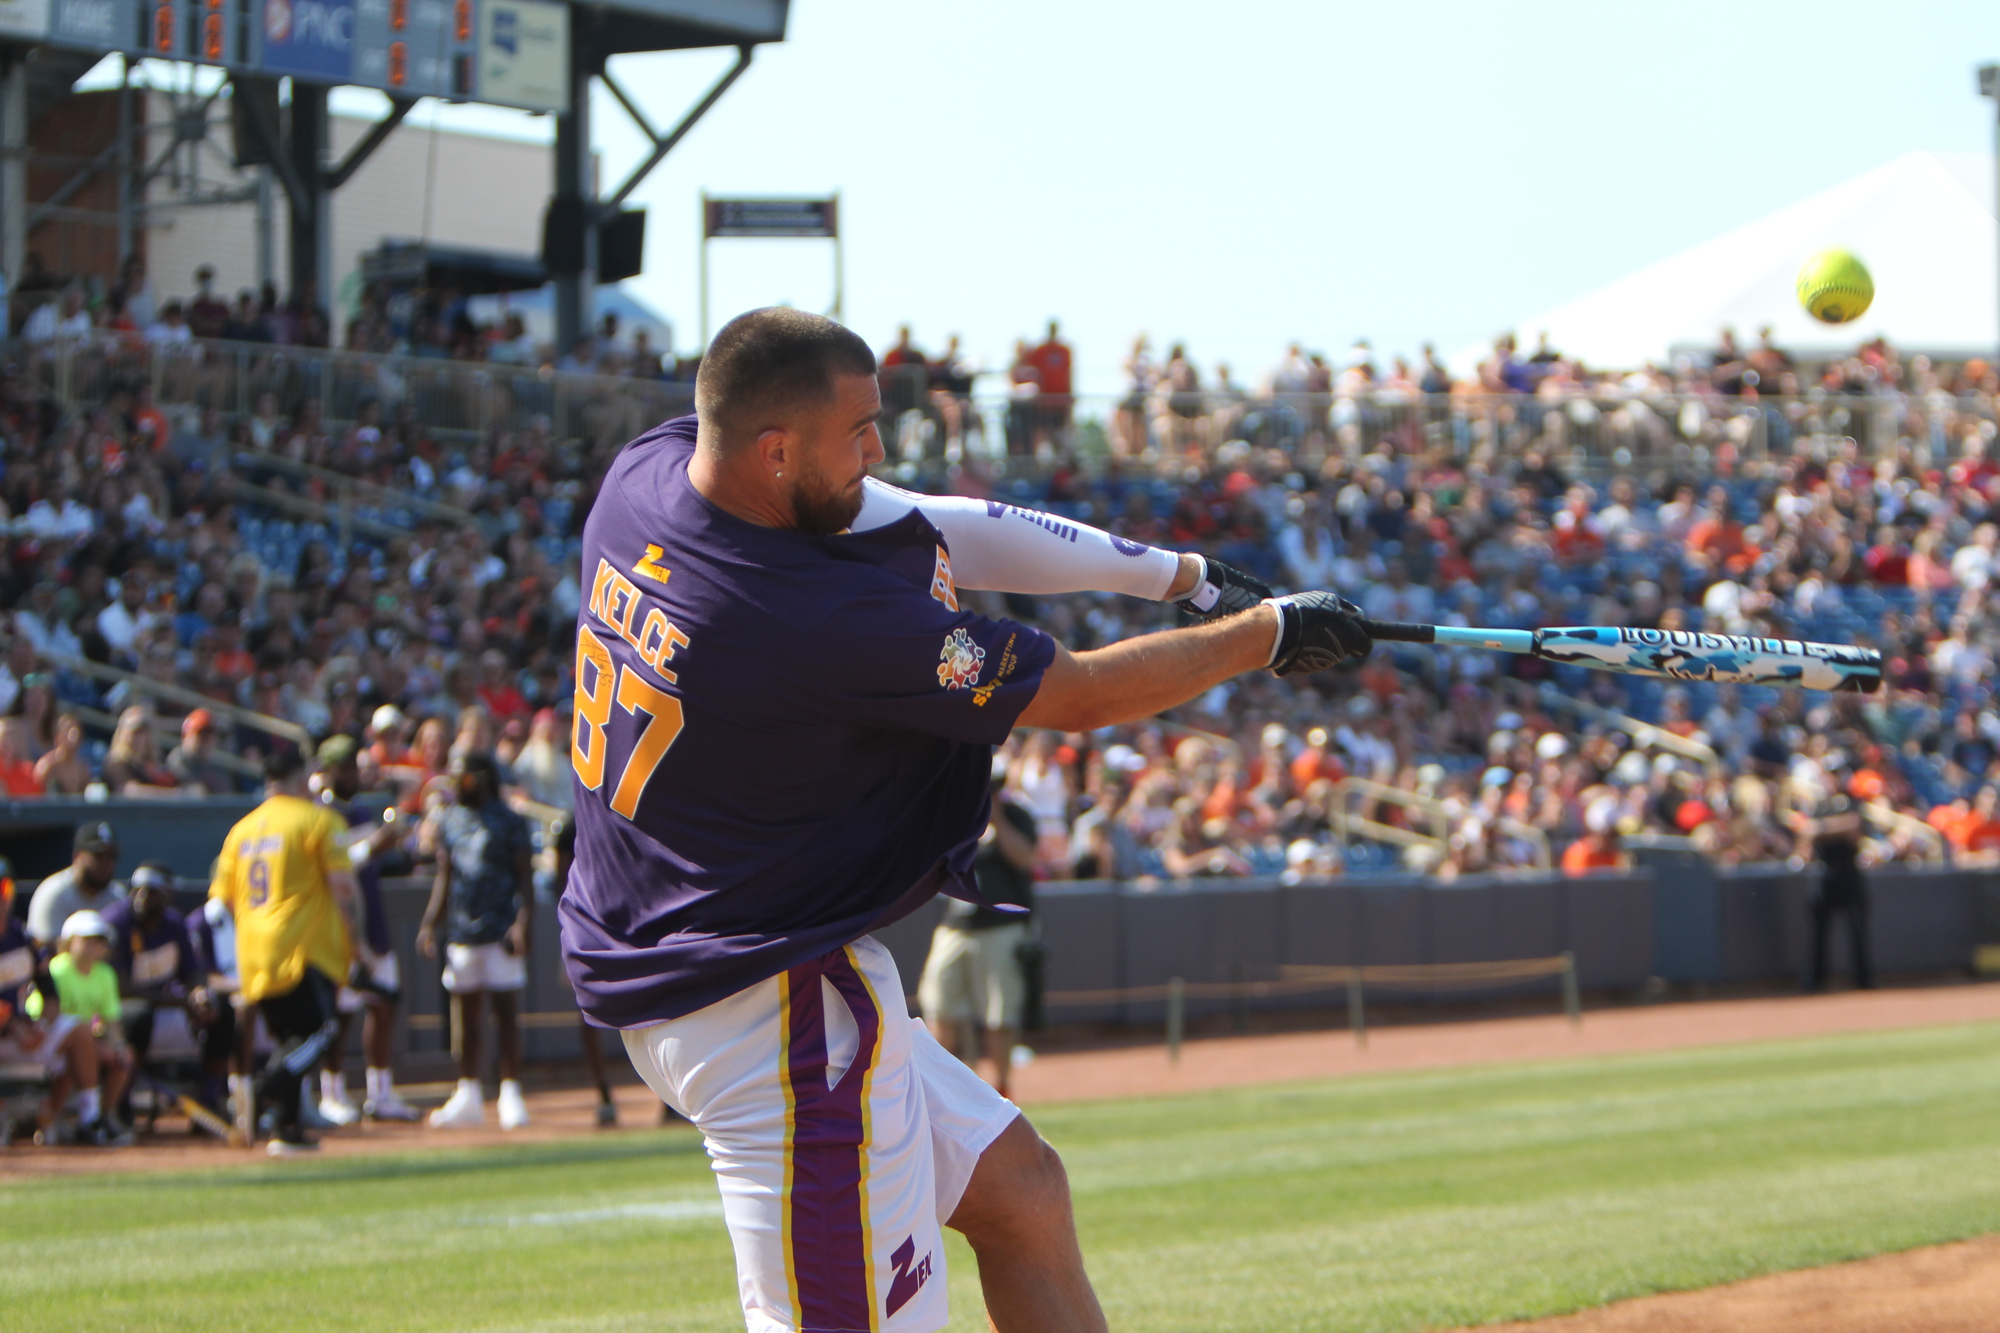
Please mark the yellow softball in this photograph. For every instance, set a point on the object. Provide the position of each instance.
(1835, 288)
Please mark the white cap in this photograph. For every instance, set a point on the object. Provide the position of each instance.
(85, 925)
(387, 718)
(1552, 745)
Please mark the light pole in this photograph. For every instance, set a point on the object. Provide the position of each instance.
(1989, 86)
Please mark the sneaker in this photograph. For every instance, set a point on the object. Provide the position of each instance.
(105, 1133)
(311, 1117)
(513, 1111)
(465, 1110)
(291, 1143)
(390, 1107)
(338, 1113)
(607, 1115)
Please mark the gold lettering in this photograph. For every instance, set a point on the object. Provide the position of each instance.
(605, 573)
(653, 643)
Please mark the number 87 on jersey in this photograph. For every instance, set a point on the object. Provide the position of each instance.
(602, 684)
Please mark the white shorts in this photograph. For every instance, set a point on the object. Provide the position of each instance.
(382, 969)
(843, 1137)
(48, 1054)
(482, 967)
(974, 976)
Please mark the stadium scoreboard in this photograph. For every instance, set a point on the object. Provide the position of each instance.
(507, 52)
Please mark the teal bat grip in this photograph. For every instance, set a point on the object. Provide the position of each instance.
(1499, 640)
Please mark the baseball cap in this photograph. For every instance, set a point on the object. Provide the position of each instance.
(96, 837)
(199, 720)
(85, 925)
(386, 718)
(336, 750)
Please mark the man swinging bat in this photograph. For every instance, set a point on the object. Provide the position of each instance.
(782, 742)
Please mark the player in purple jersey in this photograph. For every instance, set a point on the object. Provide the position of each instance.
(783, 733)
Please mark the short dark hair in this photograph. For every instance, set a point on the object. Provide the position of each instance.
(478, 763)
(770, 361)
(283, 765)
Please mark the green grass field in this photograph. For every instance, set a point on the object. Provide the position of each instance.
(1395, 1202)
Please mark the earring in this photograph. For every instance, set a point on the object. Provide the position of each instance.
(777, 474)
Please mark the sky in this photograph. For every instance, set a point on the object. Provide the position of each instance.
(1318, 172)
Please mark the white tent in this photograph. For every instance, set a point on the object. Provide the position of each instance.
(1923, 224)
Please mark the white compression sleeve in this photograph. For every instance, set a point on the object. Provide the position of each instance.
(1002, 548)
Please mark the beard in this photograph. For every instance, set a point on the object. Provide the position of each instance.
(821, 507)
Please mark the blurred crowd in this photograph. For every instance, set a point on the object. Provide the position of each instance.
(47, 309)
(1852, 503)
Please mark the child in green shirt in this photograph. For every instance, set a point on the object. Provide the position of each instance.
(87, 990)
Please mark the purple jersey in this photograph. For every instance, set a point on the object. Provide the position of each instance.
(781, 740)
(159, 959)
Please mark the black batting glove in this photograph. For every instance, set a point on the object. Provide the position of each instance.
(1222, 591)
(1317, 630)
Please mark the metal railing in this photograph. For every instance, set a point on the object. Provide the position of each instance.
(189, 699)
(351, 493)
(1585, 430)
(1587, 433)
(1643, 734)
(1887, 817)
(96, 719)
(1346, 823)
(473, 398)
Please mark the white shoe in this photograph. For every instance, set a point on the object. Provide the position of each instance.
(513, 1111)
(465, 1110)
(311, 1116)
(390, 1107)
(338, 1112)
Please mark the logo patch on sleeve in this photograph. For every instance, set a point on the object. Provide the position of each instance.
(943, 586)
(960, 661)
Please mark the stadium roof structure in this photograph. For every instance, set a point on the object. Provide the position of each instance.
(1924, 225)
(675, 25)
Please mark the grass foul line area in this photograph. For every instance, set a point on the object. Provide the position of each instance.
(1393, 1202)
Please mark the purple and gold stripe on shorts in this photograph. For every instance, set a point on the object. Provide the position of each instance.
(828, 1248)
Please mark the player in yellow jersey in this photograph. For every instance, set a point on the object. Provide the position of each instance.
(284, 875)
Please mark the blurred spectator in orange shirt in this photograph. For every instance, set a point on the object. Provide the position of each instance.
(1051, 361)
(904, 353)
(17, 769)
(1598, 848)
(1976, 834)
(1316, 761)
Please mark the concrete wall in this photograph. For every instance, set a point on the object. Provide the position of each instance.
(37, 835)
(1105, 936)
(1101, 935)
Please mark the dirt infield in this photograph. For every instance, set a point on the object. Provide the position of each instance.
(1944, 1289)
(1229, 1062)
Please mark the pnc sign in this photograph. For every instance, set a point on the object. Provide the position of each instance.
(314, 37)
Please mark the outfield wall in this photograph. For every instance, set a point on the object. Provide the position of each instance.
(1684, 922)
